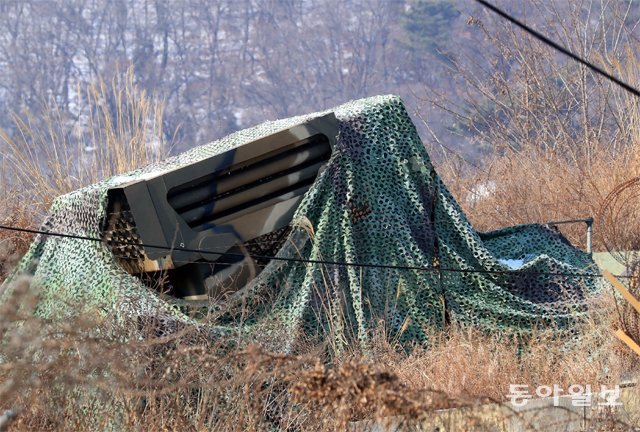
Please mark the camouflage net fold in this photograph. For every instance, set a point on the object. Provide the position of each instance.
(378, 201)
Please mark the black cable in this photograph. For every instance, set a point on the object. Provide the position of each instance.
(559, 47)
(297, 260)
(486, 4)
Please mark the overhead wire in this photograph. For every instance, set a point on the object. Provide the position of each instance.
(559, 47)
(299, 260)
(489, 6)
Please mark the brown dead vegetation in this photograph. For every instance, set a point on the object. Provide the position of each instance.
(73, 377)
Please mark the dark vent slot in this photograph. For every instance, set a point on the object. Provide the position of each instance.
(212, 187)
(247, 196)
(256, 204)
(252, 185)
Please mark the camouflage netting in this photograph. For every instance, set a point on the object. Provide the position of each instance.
(378, 201)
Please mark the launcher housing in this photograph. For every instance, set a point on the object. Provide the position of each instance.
(219, 208)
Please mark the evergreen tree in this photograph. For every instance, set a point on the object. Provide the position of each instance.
(427, 30)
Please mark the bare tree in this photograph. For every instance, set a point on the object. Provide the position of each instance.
(217, 66)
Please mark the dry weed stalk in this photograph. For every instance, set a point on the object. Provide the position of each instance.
(51, 376)
(75, 377)
(557, 139)
(553, 138)
(118, 129)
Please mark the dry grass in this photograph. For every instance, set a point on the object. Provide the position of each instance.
(13, 245)
(118, 129)
(78, 376)
(75, 378)
(557, 141)
(555, 138)
(72, 377)
(539, 187)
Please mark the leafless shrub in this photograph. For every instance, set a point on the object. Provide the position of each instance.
(554, 138)
(78, 375)
(122, 131)
(53, 377)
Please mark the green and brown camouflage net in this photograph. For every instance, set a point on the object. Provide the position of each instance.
(379, 201)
